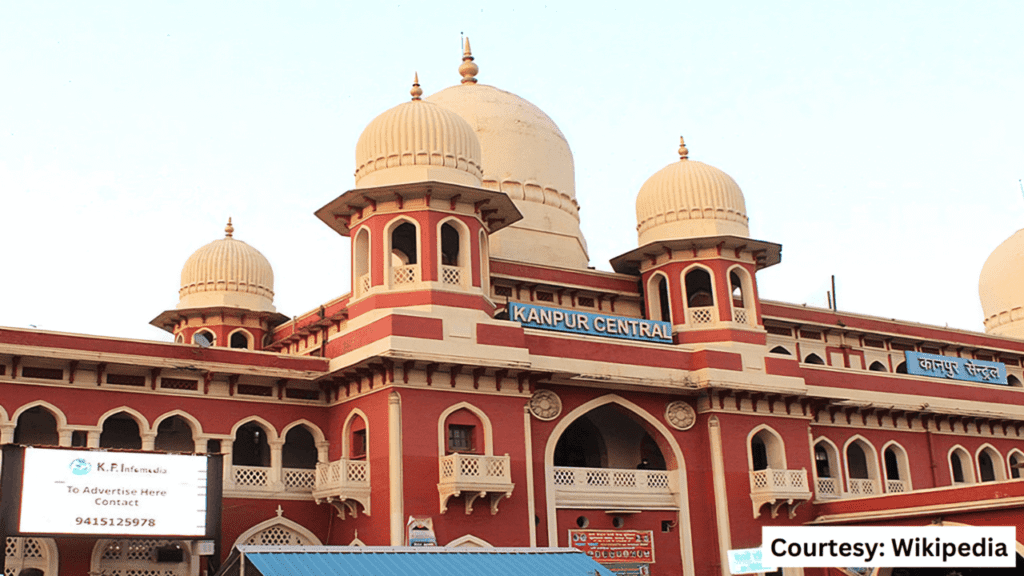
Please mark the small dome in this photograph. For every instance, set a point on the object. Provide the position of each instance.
(417, 141)
(689, 199)
(526, 157)
(1000, 289)
(227, 272)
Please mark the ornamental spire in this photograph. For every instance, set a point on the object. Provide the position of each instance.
(684, 152)
(229, 229)
(468, 69)
(416, 90)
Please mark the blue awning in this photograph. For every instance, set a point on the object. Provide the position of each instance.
(418, 561)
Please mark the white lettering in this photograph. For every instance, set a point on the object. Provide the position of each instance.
(558, 317)
(600, 328)
(532, 318)
(546, 317)
(518, 313)
(645, 330)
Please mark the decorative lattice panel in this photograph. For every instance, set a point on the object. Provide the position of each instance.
(859, 486)
(296, 479)
(739, 315)
(358, 471)
(564, 477)
(599, 478)
(496, 468)
(469, 466)
(404, 274)
(447, 468)
(828, 487)
(451, 275)
(760, 479)
(251, 475)
(276, 536)
(657, 480)
(624, 479)
(701, 315)
(364, 284)
(13, 544)
(895, 486)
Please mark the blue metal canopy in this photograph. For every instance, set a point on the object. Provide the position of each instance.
(419, 561)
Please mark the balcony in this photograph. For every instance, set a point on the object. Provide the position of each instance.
(862, 487)
(343, 484)
(614, 488)
(778, 487)
(477, 476)
(703, 315)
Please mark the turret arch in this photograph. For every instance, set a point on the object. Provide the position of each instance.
(659, 300)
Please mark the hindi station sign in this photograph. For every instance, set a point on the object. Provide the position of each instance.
(624, 552)
(953, 368)
(576, 322)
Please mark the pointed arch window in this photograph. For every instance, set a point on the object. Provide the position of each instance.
(174, 435)
(1016, 463)
(739, 288)
(455, 253)
(861, 469)
(700, 300)
(961, 470)
(361, 254)
(404, 254)
(897, 469)
(990, 467)
(121, 431)
(657, 290)
(37, 426)
(826, 467)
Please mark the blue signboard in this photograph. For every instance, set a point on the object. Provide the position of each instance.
(951, 368)
(575, 322)
(746, 561)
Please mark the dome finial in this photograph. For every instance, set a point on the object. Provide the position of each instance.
(684, 152)
(468, 69)
(229, 229)
(416, 90)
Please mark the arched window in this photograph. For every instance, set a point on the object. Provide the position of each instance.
(1013, 381)
(736, 287)
(877, 366)
(361, 260)
(861, 468)
(699, 293)
(657, 292)
(901, 368)
(780, 350)
(766, 451)
(826, 466)
(463, 432)
(241, 339)
(608, 436)
(813, 359)
(357, 441)
(121, 431)
(204, 338)
(404, 254)
(990, 465)
(299, 449)
(739, 288)
(179, 339)
(174, 435)
(455, 252)
(1016, 463)
(897, 469)
(960, 467)
(485, 264)
(37, 427)
(251, 447)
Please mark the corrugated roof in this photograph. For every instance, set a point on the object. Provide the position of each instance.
(428, 561)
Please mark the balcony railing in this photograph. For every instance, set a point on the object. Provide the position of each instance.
(829, 488)
(363, 285)
(251, 477)
(702, 315)
(343, 483)
(614, 487)
(895, 486)
(862, 487)
(267, 479)
(476, 475)
(405, 274)
(777, 487)
(739, 315)
(451, 275)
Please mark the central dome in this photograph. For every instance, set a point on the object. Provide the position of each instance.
(526, 157)
(689, 199)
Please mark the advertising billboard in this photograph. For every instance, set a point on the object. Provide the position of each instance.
(53, 491)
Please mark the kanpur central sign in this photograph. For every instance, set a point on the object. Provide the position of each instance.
(575, 322)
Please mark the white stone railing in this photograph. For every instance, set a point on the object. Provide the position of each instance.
(862, 487)
(828, 488)
(739, 315)
(407, 274)
(451, 275)
(702, 315)
(255, 478)
(613, 487)
(298, 479)
(343, 482)
(363, 284)
(895, 486)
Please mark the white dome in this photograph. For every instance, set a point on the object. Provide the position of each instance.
(525, 156)
(417, 141)
(227, 272)
(1001, 290)
(689, 199)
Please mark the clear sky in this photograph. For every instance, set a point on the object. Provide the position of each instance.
(878, 141)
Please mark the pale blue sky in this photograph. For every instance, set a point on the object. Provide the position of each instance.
(878, 141)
